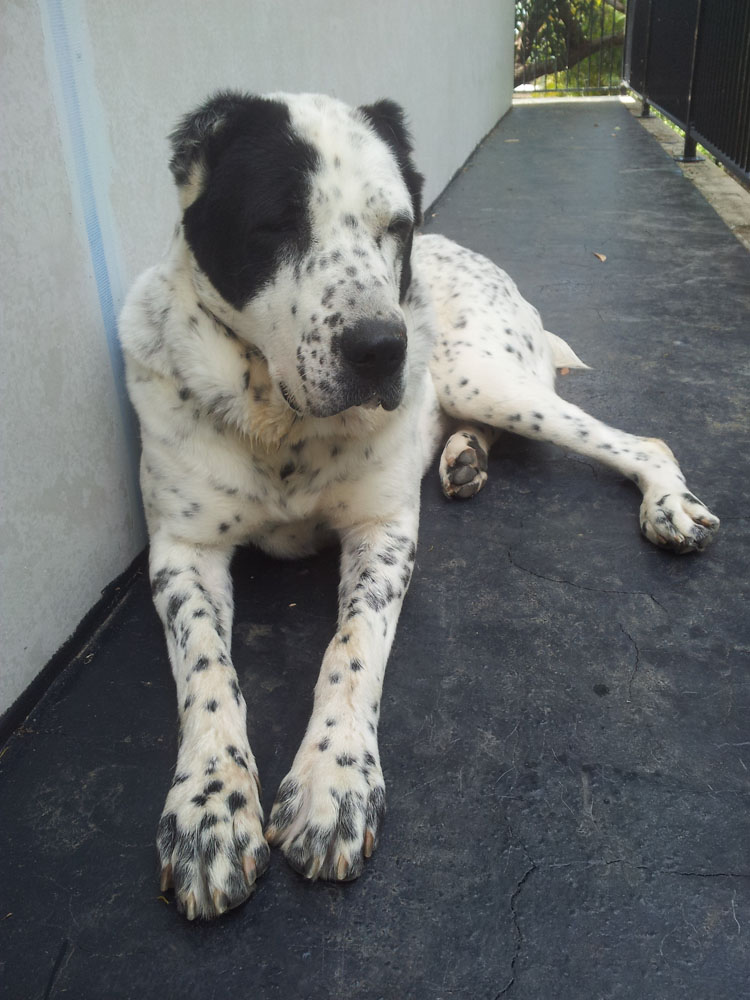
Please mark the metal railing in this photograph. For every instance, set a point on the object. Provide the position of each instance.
(569, 46)
(690, 59)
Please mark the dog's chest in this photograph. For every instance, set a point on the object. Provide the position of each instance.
(233, 492)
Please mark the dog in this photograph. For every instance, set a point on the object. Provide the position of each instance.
(295, 361)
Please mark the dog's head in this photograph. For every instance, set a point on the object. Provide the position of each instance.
(299, 213)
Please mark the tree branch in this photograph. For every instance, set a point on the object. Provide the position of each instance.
(577, 53)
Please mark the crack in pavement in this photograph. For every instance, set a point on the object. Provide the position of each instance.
(580, 586)
(637, 663)
(65, 950)
(516, 927)
(514, 911)
(604, 863)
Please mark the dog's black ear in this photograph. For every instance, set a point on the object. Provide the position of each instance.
(389, 121)
(195, 132)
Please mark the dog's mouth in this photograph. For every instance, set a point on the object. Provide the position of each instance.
(346, 392)
(289, 399)
(389, 398)
(352, 397)
(388, 394)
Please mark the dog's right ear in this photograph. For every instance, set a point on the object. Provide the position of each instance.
(192, 133)
(194, 139)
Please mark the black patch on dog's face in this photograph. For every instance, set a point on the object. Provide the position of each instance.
(251, 213)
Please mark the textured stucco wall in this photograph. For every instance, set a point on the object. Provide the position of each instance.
(90, 90)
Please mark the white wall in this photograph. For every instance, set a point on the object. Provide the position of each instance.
(90, 91)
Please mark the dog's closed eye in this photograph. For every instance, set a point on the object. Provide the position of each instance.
(400, 227)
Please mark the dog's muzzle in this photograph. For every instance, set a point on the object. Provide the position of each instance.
(374, 351)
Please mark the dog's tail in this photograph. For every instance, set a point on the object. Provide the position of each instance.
(563, 354)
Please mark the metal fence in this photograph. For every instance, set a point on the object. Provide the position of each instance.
(690, 59)
(569, 46)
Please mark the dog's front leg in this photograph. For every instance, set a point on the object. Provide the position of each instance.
(330, 807)
(210, 836)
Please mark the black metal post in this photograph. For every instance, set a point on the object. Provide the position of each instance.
(690, 152)
(647, 47)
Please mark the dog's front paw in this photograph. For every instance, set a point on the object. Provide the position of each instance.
(678, 521)
(210, 836)
(329, 810)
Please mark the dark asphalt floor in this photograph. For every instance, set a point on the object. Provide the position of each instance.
(565, 729)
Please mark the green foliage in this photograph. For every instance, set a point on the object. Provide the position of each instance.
(570, 45)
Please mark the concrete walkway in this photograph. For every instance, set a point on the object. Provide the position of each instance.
(566, 722)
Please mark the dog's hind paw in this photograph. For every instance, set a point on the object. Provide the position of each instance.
(210, 836)
(463, 466)
(678, 521)
(327, 817)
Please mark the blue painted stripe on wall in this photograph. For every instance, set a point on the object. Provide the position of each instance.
(102, 273)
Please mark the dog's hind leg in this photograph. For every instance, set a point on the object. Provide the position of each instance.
(670, 514)
(210, 837)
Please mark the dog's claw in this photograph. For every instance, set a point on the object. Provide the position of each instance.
(250, 868)
(369, 844)
(166, 881)
(313, 868)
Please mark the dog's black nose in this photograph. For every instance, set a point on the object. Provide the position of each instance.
(375, 348)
